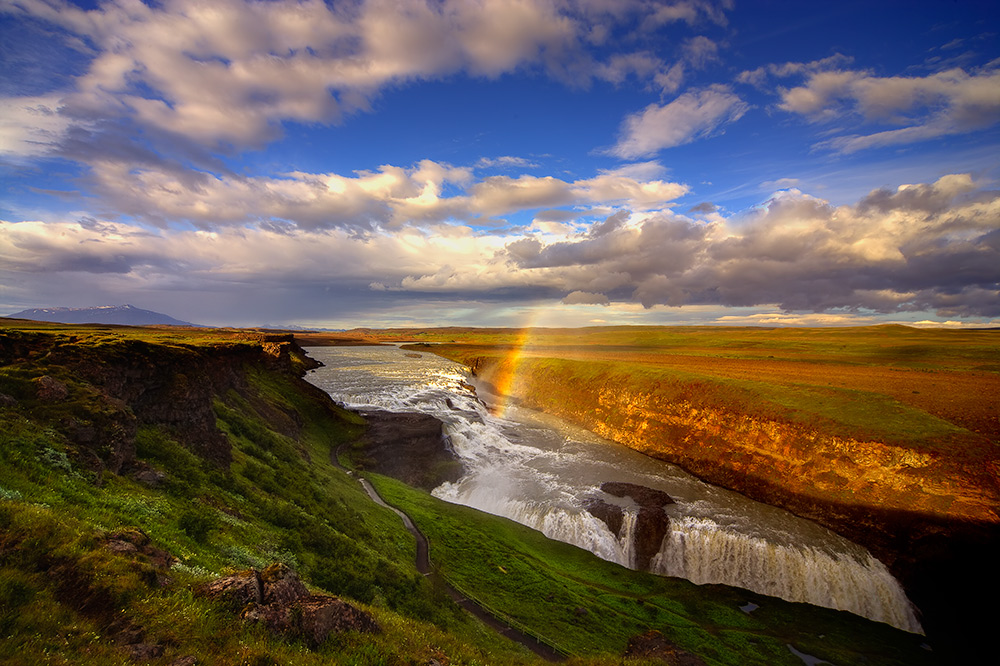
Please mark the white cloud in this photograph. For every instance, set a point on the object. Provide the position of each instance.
(918, 108)
(31, 126)
(230, 72)
(692, 115)
(505, 161)
(917, 248)
(390, 197)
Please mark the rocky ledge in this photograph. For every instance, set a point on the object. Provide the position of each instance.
(278, 599)
(410, 447)
(651, 524)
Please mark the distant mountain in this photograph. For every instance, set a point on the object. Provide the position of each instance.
(127, 315)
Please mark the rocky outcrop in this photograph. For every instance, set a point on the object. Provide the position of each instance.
(411, 447)
(107, 388)
(277, 598)
(651, 523)
(654, 647)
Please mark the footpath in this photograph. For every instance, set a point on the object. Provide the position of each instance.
(492, 618)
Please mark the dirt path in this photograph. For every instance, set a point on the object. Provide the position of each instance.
(423, 562)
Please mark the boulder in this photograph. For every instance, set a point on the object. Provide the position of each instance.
(280, 585)
(654, 646)
(50, 390)
(276, 598)
(236, 591)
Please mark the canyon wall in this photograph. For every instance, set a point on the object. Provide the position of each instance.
(928, 516)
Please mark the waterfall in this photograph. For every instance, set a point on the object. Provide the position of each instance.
(698, 550)
(538, 471)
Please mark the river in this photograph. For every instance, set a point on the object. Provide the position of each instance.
(538, 470)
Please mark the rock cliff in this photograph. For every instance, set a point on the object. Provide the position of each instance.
(919, 512)
(99, 395)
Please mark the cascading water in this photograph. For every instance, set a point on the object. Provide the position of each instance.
(540, 472)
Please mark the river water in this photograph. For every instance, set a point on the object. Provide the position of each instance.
(538, 470)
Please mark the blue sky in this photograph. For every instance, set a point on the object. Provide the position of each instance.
(503, 162)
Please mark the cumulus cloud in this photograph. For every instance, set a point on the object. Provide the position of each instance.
(918, 247)
(690, 116)
(917, 108)
(926, 246)
(389, 197)
(228, 73)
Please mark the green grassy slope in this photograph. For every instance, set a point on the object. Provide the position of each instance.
(588, 606)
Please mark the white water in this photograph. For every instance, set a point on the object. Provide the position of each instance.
(538, 471)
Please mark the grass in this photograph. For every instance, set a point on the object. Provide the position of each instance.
(590, 606)
(65, 598)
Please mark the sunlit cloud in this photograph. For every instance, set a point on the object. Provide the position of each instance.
(690, 116)
(915, 108)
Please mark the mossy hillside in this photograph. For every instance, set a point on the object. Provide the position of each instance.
(588, 606)
(65, 599)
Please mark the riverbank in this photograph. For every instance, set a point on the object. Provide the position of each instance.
(887, 435)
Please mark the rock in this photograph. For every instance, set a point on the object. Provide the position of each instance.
(643, 496)
(312, 619)
(148, 475)
(410, 447)
(7, 400)
(653, 645)
(276, 598)
(611, 514)
(236, 591)
(280, 585)
(133, 541)
(651, 525)
(321, 615)
(144, 651)
(50, 390)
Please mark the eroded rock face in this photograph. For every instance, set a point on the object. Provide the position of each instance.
(651, 525)
(113, 388)
(278, 599)
(411, 447)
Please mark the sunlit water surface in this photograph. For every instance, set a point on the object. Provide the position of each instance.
(538, 470)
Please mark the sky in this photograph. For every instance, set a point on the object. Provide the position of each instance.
(503, 162)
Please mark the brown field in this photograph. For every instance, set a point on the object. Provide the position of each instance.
(951, 375)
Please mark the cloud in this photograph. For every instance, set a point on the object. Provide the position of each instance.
(700, 50)
(31, 126)
(920, 247)
(690, 116)
(585, 298)
(390, 197)
(505, 161)
(927, 246)
(920, 108)
(230, 72)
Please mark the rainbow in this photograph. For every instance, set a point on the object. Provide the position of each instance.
(506, 373)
